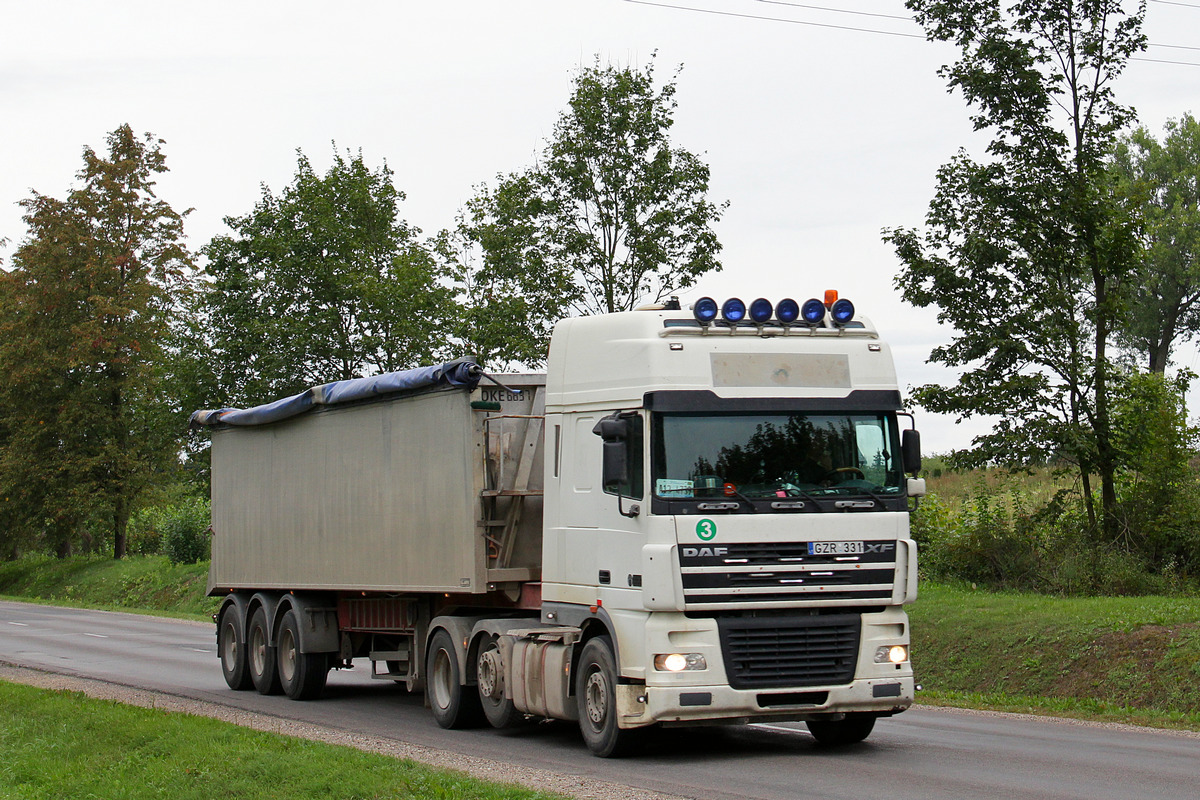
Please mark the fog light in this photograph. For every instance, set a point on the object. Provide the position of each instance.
(678, 662)
(893, 654)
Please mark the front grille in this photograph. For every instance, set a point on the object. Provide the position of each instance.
(783, 573)
(770, 652)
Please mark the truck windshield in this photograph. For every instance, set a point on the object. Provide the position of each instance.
(775, 455)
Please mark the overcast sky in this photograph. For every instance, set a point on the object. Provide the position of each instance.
(821, 128)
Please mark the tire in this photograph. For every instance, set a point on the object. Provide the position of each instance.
(835, 733)
(596, 695)
(232, 651)
(489, 673)
(302, 675)
(260, 656)
(452, 706)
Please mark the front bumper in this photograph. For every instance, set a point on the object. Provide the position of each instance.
(646, 705)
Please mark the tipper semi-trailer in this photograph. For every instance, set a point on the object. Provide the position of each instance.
(689, 518)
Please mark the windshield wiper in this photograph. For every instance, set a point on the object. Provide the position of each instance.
(784, 505)
(876, 500)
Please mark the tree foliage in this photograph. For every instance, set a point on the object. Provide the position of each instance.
(85, 315)
(1161, 180)
(610, 217)
(1027, 251)
(321, 282)
(1158, 490)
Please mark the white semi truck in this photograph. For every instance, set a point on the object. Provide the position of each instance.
(690, 518)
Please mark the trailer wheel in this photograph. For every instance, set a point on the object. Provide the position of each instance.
(489, 674)
(596, 695)
(851, 730)
(233, 652)
(264, 672)
(452, 706)
(302, 675)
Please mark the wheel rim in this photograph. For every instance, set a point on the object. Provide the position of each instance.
(441, 678)
(258, 650)
(287, 655)
(596, 698)
(488, 668)
(229, 649)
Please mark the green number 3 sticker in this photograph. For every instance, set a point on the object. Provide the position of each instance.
(706, 529)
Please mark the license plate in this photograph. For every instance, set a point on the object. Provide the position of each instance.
(835, 548)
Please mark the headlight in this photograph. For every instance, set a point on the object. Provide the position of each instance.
(678, 662)
(891, 654)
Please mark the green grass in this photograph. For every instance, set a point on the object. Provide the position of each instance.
(1037, 486)
(1122, 659)
(146, 584)
(62, 744)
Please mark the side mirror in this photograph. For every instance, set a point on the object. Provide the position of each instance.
(614, 469)
(910, 451)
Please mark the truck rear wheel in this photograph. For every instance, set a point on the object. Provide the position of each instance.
(233, 652)
(596, 694)
(261, 657)
(302, 675)
(851, 730)
(452, 706)
(489, 674)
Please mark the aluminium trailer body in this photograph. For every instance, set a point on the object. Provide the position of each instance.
(364, 509)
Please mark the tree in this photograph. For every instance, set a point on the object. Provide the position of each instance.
(1159, 509)
(322, 282)
(1162, 181)
(1027, 252)
(83, 320)
(612, 216)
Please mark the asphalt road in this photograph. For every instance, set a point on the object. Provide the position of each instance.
(924, 753)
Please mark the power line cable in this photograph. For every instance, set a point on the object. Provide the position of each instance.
(773, 19)
(835, 10)
(1174, 3)
(869, 30)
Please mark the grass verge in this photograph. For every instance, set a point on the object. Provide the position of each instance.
(147, 584)
(1117, 659)
(62, 744)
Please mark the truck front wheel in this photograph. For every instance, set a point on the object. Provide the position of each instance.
(233, 652)
(302, 675)
(851, 730)
(596, 695)
(452, 707)
(261, 657)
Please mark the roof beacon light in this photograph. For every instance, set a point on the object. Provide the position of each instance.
(733, 310)
(842, 312)
(813, 312)
(705, 310)
(787, 311)
(761, 310)
(831, 296)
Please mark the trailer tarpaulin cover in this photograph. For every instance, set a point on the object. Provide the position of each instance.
(461, 372)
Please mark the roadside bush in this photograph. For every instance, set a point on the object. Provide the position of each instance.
(185, 538)
(143, 536)
(1158, 491)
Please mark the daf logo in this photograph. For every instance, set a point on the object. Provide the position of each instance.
(882, 547)
(705, 552)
